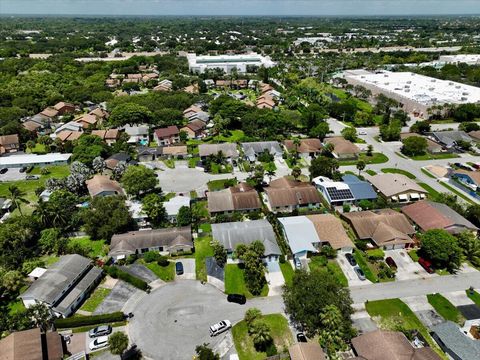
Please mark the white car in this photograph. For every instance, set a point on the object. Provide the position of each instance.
(220, 327)
(98, 343)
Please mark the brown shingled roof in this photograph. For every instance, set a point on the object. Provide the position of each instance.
(7, 140)
(196, 125)
(284, 192)
(101, 183)
(306, 145)
(342, 146)
(175, 150)
(306, 351)
(23, 345)
(68, 135)
(167, 131)
(329, 228)
(49, 112)
(239, 197)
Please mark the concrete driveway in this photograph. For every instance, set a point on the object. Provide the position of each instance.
(188, 269)
(407, 269)
(274, 278)
(424, 311)
(458, 298)
(117, 298)
(362, 320)
(351, 275)
(140, 271)
(173, 319)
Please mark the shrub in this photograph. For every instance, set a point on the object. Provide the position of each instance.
(163, 261)
(346, 208)
(89, 320)
(328, 251)
(282, 259)
(45, 171)
(375, 254)
(151, 256)
(115, 272)
(131, 259)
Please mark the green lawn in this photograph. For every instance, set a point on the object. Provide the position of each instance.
(434, 156)
(192, 162)
(445, 308)
(398, 171)
(475, 297)
(376, 158)
(38, 149)
(235, 283)
(281, 334)
(426, 172)
(203, 249)
(234, 136)
(456, 192)
(170, 163)
(201, 209)
(321, 262)
(97, 248)
(95, 299)
(398, 310)
(165, 273)
(49, 259)
(15, 307)
(431, 191)
(205, 227)
(287, 272)
(414, 255)
(371, 172)
(220, 184)
(363, 263)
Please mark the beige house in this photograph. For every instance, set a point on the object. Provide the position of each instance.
(9, 144)
(285, 195)
(397, 187)
(241, 197)
(102, 185)
(342, 148)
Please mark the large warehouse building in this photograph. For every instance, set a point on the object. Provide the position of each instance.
(198, 64)
(416, 92)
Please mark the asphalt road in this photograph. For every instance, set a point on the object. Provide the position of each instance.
(407, 288)
(173, 319)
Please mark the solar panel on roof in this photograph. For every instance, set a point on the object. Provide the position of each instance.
(339, 194)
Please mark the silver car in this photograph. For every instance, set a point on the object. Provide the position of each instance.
(100, 331)
(359, 273)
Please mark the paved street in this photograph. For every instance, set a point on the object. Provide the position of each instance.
(408, 288)
(173, 319)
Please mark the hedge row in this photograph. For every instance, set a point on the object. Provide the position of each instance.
(89, 320)
(116, 272)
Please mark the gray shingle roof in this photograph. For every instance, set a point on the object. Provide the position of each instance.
(234, 233)
(273, 147)
(449, 138)
(450, 335)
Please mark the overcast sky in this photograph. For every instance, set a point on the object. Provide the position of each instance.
(240, 7)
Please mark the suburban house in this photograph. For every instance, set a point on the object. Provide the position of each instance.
(251, 150)
(102, 185)
(100, 113)
(305, 148)
(342, 148)
(48, 112)
(192, 110)
(32, 344)
(397, 187)
(449, 139)
(137, 134)
(9, 144)
(469, 178)
(166, 136)
(233, 233)
(37, 123)
(146, 153)
(114, 159)
(69, 126)
(457, 343)
(433, 147)
(284, 195)
(58, 109)
(64, 285)
(429, 215)
(307, 234)
(87, 121)
(110, 136)
(194, 129)
(336, 193)
(386, 228)
(177, 152)
(361, 190)
(169, 240)
(21, 160)
(228, 150)
(163, 85)
(68, 135)
(173, 206)
(382, 345)
(306, 351)
(265, 102)
(241, 197)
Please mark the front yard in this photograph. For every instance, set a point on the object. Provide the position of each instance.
(235, 282)
(279, 330)
(376, 158)
(399, 171)
(95, 299)
(445, 308)
(203, 249)
(321, 262)
(220, 184)
(287, 272)
(93, 248)
(165, 273)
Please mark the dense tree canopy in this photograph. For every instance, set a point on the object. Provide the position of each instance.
(441, 248)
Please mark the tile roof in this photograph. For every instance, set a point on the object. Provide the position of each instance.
(167, 131)
(239, 197)
(7, 140)
(284, 192)
(49, 112)
(103, 183)
(390, 184)
(330, 229)
(342, 146)
(233, 233)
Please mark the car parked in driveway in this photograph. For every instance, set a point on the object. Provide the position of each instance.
(32, 177)
(351, 260)
(101, 330)
(179, 268)
(237, 298)
(427, 265)
(98, 343)
(3, 170)
(220, 327)
(359, 273)
(301, 337)
(390, 262)
(298, 264)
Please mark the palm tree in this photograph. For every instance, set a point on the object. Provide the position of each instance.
(360, 166)
(270, 173)
(42, 212)
(16, 195)
(296, 172)
(260, 334)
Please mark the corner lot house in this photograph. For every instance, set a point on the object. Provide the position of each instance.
(233, 233)
(342, 148)
(166, 136)
(397, 187)
(252, 149)
(169, 240)
(306, 147)
(241, 197)
(229, 150)
(386, 228)
(101, 185)
(9, 144)
(309, 233)
(32, 345)
(449, 139)
(431, 215)
(64, 285)
(284, 195)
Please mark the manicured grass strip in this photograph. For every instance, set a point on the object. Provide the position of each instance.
(287, 272)
(376, 158)
(413, 254)
(235, 282)
(398, 310)
(456, 192)
(426, 172)
(399, 171)
(362, 262)
(87, 328)
(281, 334)
(165, 273)
(95, 299)
(220, 184)
(95, 248)
(203, 249)
(431, 191)
(434, 156)
(371, 172)
(170, 163)
(475, 297)
(445, 308)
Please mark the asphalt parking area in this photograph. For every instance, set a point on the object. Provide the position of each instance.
(141, 272)
(13, 174)
(351, 275)
(424, 311)
(407, 269)
(188, 269)
(117, 298)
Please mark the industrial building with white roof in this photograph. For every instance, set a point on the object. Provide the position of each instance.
(200, 63)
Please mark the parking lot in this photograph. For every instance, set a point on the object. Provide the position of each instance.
(13, 174)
